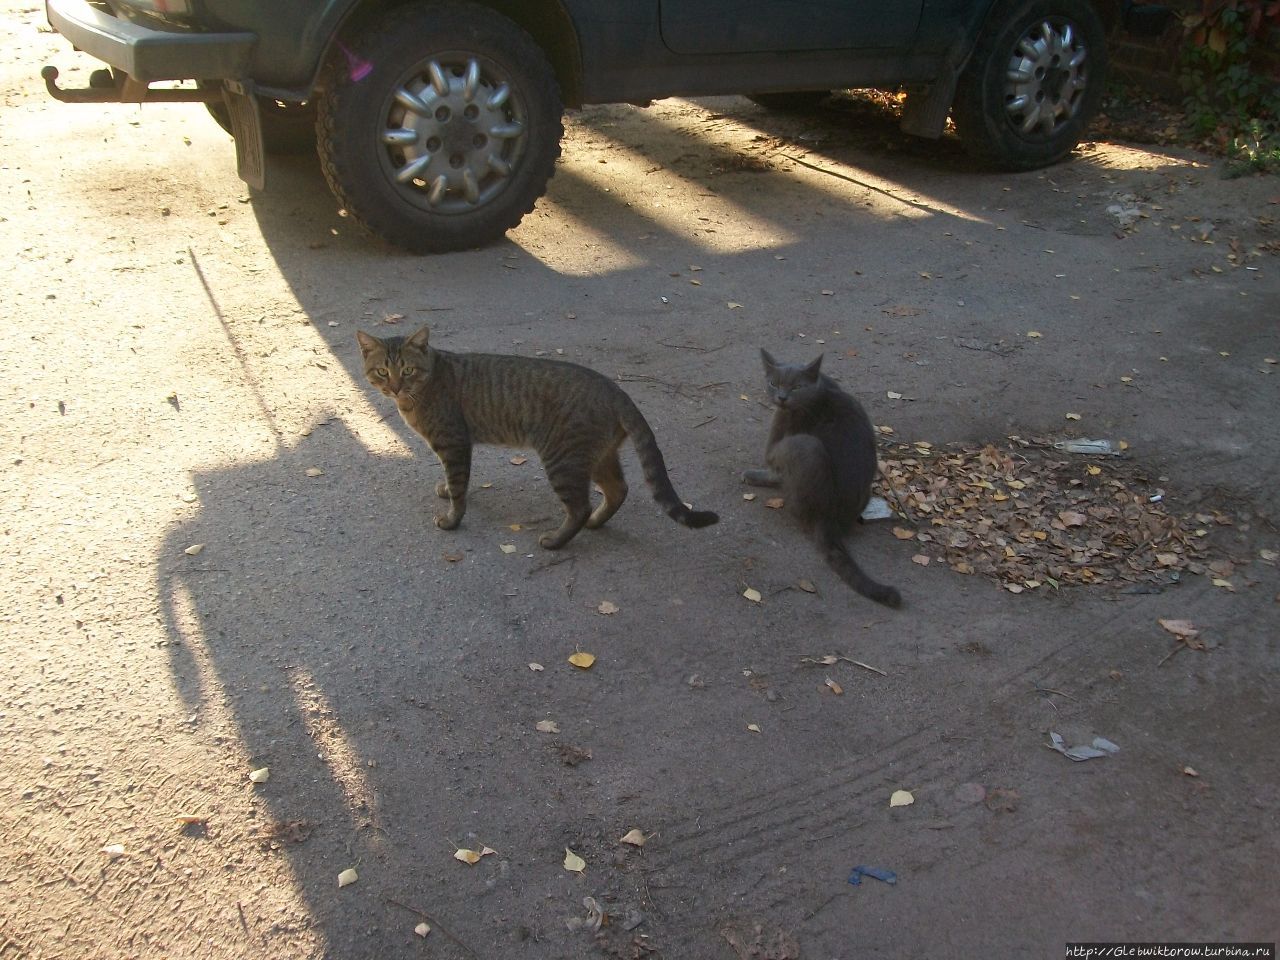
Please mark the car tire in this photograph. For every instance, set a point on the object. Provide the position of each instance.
(793, 101)
(440, 126)
(1033, 83)
(287, 128)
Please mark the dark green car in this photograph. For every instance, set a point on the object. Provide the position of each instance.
(438, 122)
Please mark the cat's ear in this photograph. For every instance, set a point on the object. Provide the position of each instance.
(770, 364)
(419, 339)
(814, 369)
(367, 343)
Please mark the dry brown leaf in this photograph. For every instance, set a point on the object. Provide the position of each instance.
(582, 660)
(1182, 629)
(453, 557)
(807, 586)
(775, 503)
(607, 607)
(548, 726)
(834, 687)
(903, 534)
(921, 559)
(519, 460)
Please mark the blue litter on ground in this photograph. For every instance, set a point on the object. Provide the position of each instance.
(878, 873)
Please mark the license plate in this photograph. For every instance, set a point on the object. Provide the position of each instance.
(246, 127)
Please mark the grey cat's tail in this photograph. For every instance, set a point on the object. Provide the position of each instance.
(838, 558)
(655, 471)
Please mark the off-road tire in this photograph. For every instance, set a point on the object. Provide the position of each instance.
(451, 90)
(1014, 124)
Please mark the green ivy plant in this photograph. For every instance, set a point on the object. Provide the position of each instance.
(1233, 92)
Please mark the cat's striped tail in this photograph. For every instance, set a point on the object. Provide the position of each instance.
(655, 470)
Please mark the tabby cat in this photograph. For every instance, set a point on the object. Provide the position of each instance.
(573, 417)
(822, 453)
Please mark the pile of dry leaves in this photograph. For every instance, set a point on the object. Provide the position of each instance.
(1031, 516)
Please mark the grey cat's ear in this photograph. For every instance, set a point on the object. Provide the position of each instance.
(815, 367)
(419, 339)
(767, 357)
(367, 342)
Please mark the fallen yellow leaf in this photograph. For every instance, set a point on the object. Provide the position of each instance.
(507, 547)
(583, 660)
(754, 727)
(634, 837)
(519, 461)
(748, 496)
(835, 687)
(314, 472)
(921, 559)
(261, 775)
(901, 798)
(752, 594)
(573, 862)
(536, 667)
(775, 503)
(607, 607)
(422, 929)
(1093, 470)
(347, 877)
(548, 726)
(1034, 334)
(467, 856)
(1073, 416)
(902, 533)
(192, 550)
(808, 587)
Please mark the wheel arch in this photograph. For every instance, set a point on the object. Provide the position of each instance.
(547, 21)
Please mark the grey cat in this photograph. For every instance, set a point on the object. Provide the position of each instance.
(574, 417)
(822, 453)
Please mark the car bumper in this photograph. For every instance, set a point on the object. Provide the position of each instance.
(147, 54)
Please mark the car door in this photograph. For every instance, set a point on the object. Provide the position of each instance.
(758, 26)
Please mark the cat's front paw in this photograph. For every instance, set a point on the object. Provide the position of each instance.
(447, 521)
(442, 490)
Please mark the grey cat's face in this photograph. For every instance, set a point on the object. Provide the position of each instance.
(396, 365)
(792, 385)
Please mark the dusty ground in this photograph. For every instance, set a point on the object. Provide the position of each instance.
(179, 355)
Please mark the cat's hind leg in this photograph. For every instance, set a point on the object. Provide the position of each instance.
(804, 472)
(571, 480)
(609, 478)
(762, 478)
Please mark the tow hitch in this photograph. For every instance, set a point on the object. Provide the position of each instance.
(112, 86)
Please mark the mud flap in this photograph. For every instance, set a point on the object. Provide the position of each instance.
(246, 127)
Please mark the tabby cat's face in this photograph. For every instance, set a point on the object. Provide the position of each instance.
(792, 386)
(396, 365)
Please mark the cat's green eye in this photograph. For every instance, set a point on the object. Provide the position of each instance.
(408, 371)
(379, 371)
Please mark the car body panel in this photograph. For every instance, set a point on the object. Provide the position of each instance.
(698, 27)
(611, 50)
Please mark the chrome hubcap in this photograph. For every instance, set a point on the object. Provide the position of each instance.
(1046, 78)
(453, 135)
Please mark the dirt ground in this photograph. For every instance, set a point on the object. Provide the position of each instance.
(219, 557)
